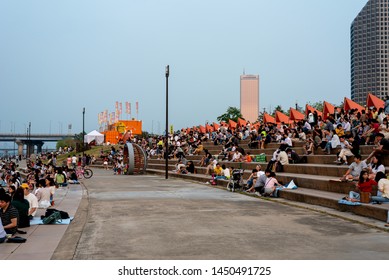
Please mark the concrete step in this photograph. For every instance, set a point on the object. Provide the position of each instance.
(333, 170)
(244, 143)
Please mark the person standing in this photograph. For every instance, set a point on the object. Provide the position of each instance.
(74, 161)
(69, 161)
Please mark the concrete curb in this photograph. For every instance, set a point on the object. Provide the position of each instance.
(69, 242)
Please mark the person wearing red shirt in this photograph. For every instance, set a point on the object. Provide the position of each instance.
(364, 185)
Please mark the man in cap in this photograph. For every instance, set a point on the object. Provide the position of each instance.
(32, 200)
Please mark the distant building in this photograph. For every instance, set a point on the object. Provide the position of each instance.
(249, 97)
(369, 51)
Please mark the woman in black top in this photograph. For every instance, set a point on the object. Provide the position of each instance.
(22, 206)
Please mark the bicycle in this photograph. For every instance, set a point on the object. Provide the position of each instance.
(83, 172)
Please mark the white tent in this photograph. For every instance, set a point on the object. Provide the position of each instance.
(94, 135)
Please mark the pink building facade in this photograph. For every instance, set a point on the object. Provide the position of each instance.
(249, 97)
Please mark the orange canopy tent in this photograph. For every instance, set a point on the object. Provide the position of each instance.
(349, 104)
(242, 122)
(268, 119)
(187, 130)
(328, 109)
(215, 126)
(310, 108)
(281, 117)
(374, 101)
(256, 125)
(209, 128)
(202, 129)
(232, 124)
(223, 124)
(295, 115)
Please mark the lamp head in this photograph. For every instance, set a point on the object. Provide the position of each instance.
(167, 71)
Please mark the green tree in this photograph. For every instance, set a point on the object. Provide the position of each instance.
(279, 109)
(68, 142)
(317, 105)
(232, 113)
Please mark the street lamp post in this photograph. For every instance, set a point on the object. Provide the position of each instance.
(167, 122)
(83, 131)
(29, 138)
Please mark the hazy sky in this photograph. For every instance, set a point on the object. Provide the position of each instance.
(57, 57)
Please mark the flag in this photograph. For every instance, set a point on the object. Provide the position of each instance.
(136, 104)
(120, 108)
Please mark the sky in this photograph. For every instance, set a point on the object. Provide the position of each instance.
(58, 57)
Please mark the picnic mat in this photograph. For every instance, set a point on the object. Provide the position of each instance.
(38, 221)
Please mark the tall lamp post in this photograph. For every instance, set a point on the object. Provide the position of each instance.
(29, 138)
(167, 122)
(83, 131)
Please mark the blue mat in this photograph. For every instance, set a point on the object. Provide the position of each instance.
(38, 221)
(346, 202)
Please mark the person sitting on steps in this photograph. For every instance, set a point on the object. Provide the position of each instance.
(354, 169)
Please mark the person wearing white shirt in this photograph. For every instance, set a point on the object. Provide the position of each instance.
(311, 118)
(375, 166)
(307, 126)
(237, 156)
(226, 172)
(32, 200)
(345, 151)
(346, 126)
(287, 140)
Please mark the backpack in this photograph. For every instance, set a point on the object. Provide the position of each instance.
(63, 214)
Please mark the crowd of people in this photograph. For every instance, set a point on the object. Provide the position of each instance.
(341, 134)
(21, 196)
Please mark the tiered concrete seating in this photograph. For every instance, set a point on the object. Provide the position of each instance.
(315, 179)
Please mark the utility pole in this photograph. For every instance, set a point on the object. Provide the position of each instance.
(83, 131)
(167, 123)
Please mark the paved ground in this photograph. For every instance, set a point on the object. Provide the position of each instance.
(148, 217)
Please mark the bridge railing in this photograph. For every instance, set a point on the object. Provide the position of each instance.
(34, 135)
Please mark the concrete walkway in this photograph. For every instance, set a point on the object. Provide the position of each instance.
(148, 217)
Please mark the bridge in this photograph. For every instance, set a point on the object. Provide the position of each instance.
(10, 137)
(32, 140)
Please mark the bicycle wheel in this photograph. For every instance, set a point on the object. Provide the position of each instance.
(88, 173)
